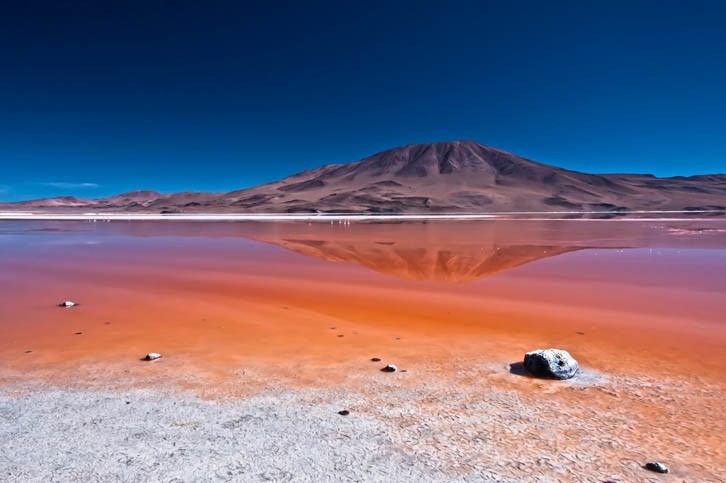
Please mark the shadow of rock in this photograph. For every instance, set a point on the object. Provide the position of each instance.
(517, 368)
(584, 377)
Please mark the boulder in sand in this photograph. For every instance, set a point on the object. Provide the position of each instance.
(550, 364)
(151, 356)
(67, 304)
(389, 368)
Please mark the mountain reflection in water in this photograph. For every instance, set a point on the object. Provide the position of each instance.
(414, 261)
(443, 251)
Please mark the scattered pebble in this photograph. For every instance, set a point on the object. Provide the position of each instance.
(389, 368)
(580, 333)
(344, 412)
(376, 359)
(28, 351)
(656, 466)
(67, 303)
(341, 335)
(78, 333)
(151, 356)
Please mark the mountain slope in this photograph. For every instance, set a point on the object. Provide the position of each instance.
(466, 176)
(457, 176)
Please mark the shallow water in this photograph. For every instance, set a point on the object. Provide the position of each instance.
(638, 296)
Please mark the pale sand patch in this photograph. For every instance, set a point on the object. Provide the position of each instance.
(481, 423)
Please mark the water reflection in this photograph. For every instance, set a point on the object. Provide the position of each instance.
(453, 251)
(416, 261)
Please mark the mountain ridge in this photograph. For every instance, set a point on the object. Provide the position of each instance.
(452, 176)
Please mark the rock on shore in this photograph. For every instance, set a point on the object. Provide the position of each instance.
(551, 364)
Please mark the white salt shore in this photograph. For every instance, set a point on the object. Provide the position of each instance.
(339, 217)
(396, 432)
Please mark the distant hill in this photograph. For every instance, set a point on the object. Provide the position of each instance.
(446, 177)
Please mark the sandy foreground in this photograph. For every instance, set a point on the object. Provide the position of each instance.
(476, 423)
(262, 347)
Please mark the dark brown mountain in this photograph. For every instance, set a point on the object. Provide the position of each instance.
(448, 177)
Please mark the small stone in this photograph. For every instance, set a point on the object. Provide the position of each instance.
(551, 363)
(78, 333)
(152, 356)
(344, 412)
(67, 304)
(28, 351)
(656, 466)
(376, 359)
(389, 368)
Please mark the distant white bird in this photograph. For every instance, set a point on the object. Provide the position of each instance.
(67, 303)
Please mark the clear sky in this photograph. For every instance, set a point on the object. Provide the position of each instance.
(101, 97)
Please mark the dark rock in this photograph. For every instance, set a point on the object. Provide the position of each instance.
(78, 333)
(657, 467)
(389, 368)
(376, 359)
(344, 412)
(551, 364)
(28, 351)
(151, 356)
(67, 304)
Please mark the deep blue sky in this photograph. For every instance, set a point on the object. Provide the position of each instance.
(97, 99)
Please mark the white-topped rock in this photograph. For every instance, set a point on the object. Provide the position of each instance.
(550, 363)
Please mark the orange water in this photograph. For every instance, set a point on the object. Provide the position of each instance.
(632, 296)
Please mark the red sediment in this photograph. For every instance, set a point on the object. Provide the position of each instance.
(228, 302)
